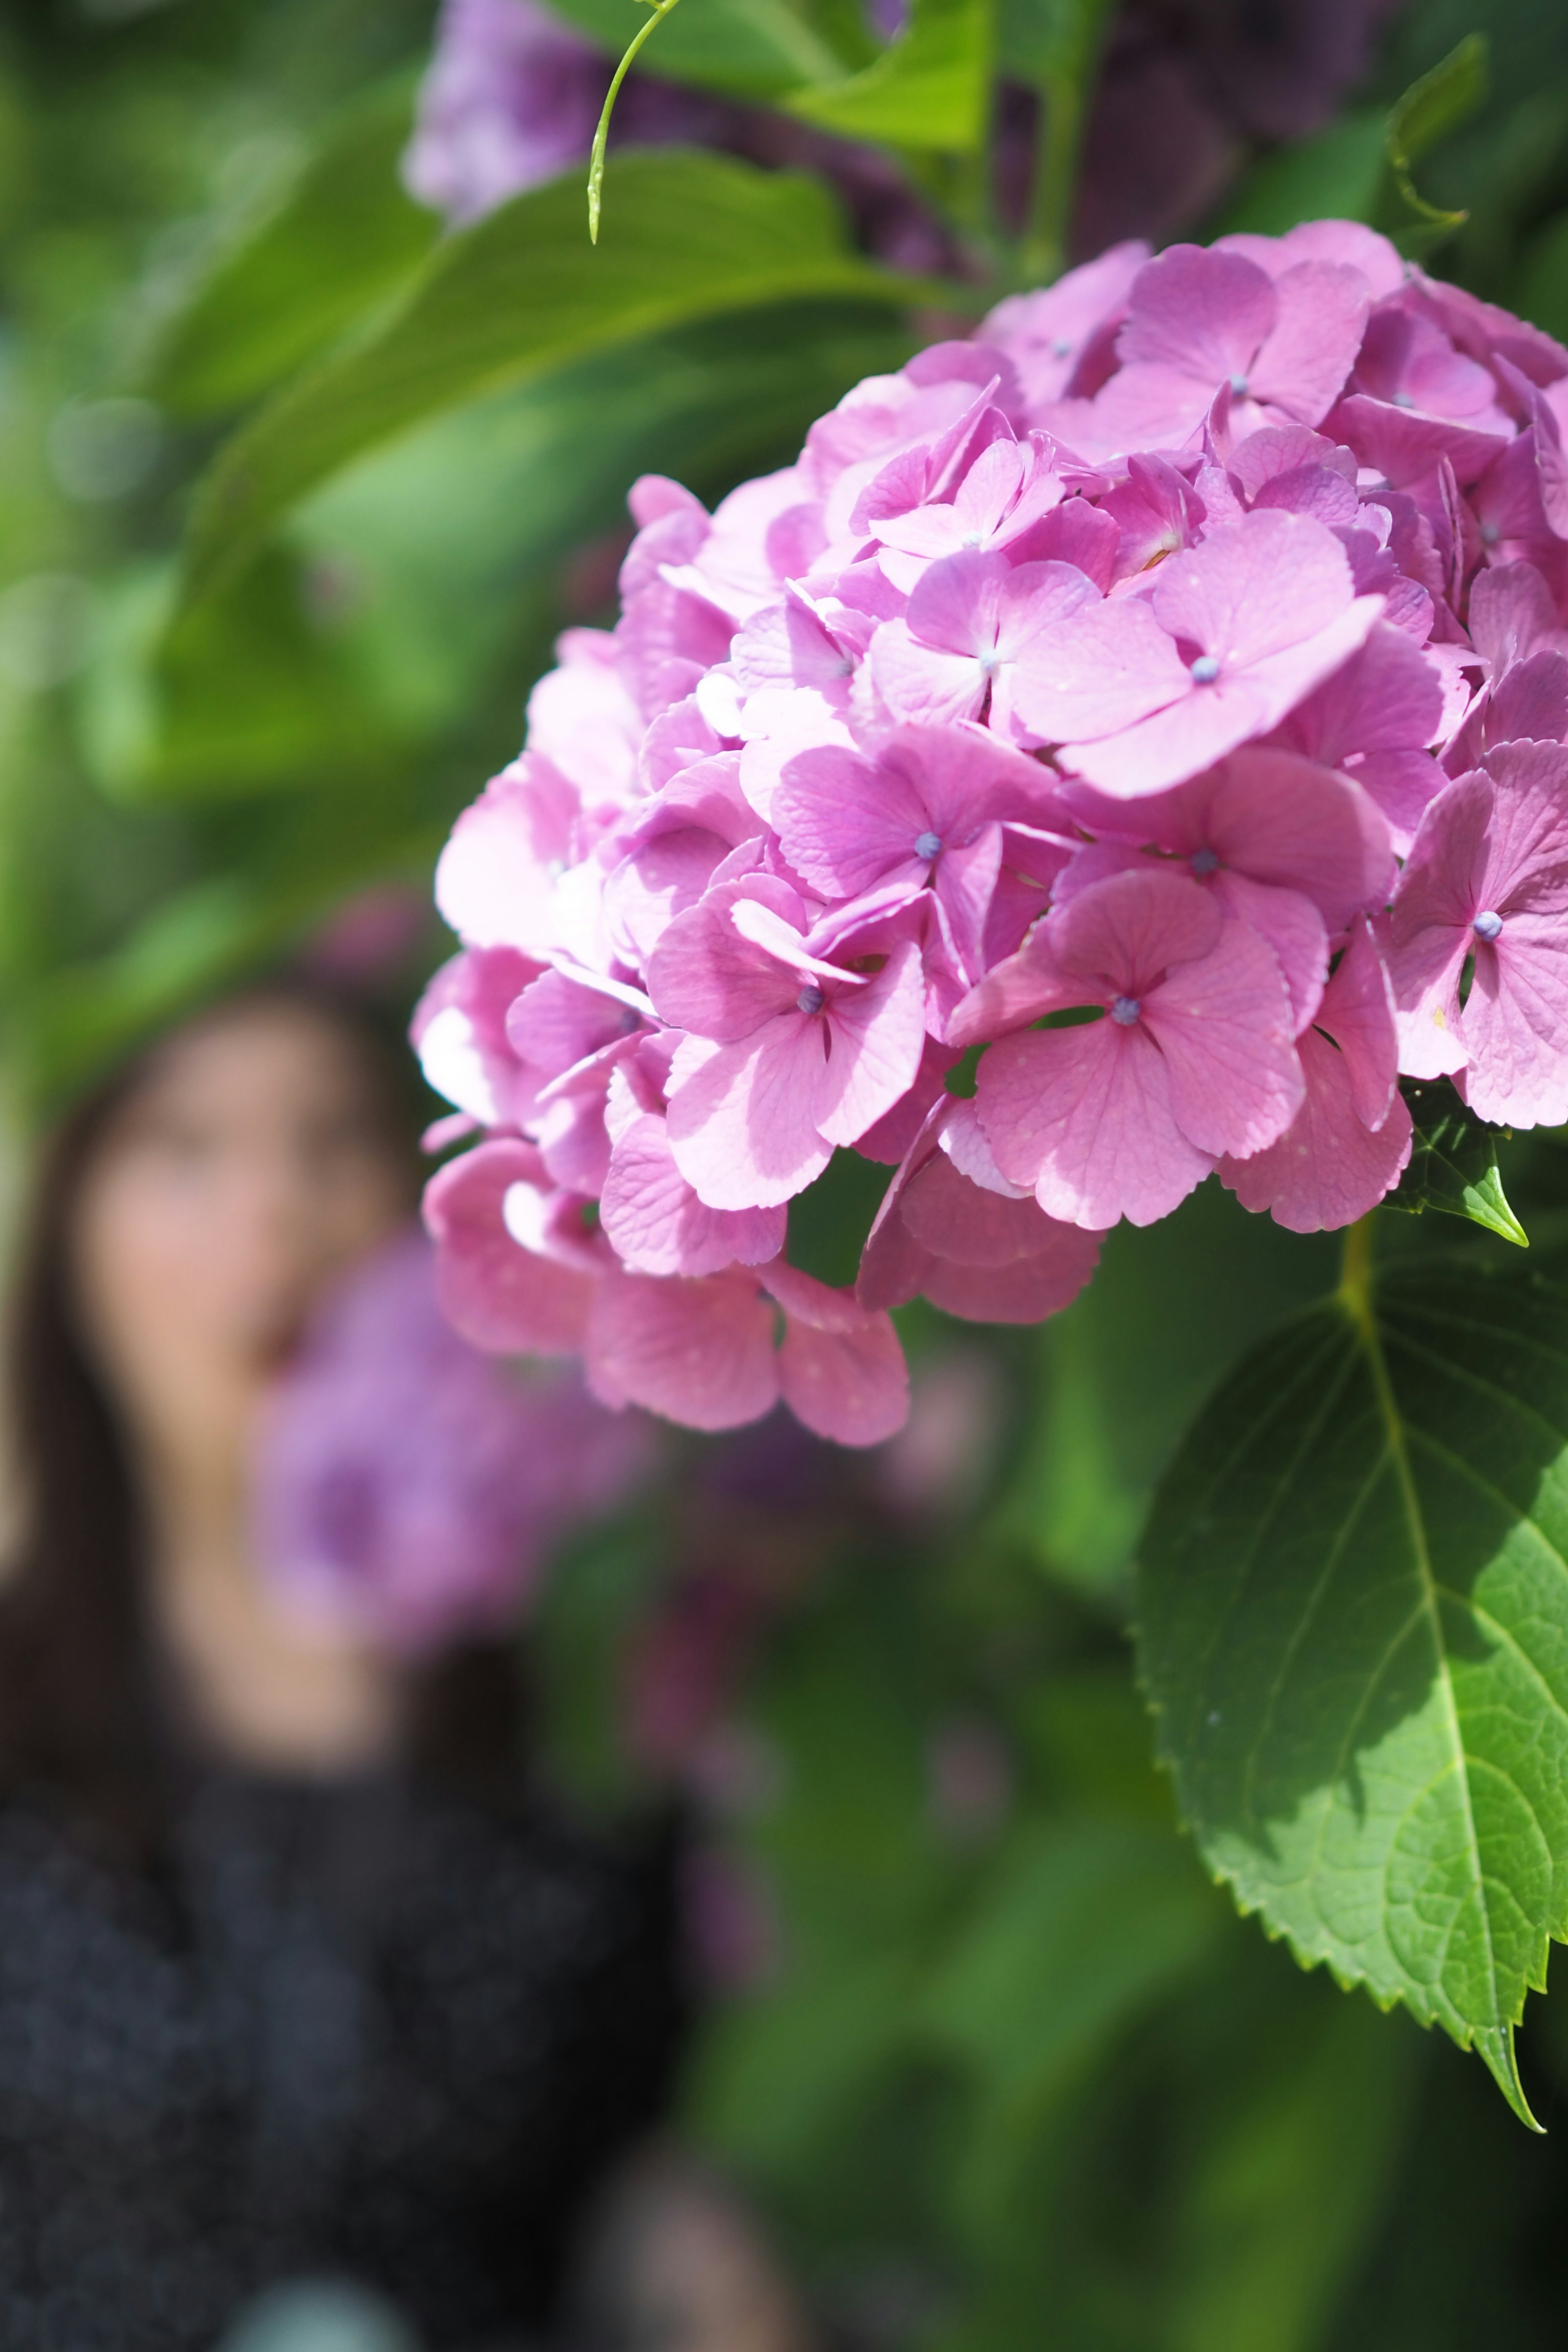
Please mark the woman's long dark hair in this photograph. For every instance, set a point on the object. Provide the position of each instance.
(81, 1727)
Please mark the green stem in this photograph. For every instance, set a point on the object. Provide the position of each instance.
(1056, 178)
(1356, 1272)
(661, 9)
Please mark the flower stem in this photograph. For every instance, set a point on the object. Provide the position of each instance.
(661, 9)
(1355, 1270)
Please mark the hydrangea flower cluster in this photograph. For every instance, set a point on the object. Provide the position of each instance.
(1115, 750)
(417, 1543)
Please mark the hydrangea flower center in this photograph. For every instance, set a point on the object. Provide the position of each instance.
(1488, 924)
(1124, 1011)
(1205, 670)
(1204, 861)
(928, 845)
(1239, 386)
(811, 998)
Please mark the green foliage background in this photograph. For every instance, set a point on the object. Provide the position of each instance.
(296, 495)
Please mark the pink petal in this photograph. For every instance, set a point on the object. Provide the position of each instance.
(1027, 1291)
(1357, 1011)
(1253, 587)
(1200, 311)
(1516, 1024)
(656, 1223)
(741, 1121)
(1403, 447)
(890, 1137)
(1328, 1169)
(1131, 928)
(707, 976)
(1085, 1115)
(1287, 822)
(495, 880)
(1211, 720)
(919, 682)
(850, 1386)
(1292, 930)
(499, 1296)
(845, 821)
(1226, 1030)
(1305, 360)
(877, 1039)
(1106, 667)
(699, 1352)
(1017, 992)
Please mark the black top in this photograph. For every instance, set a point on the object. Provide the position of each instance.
(356, 2030)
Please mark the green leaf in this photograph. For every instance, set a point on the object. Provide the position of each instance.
(1124, 1369)
(1428, 110)
(437, 535)
(243, 693)
(1047, 42)
(1082, 1925)
(1054, 46)
(749, 48)
(929, 90)
(1338, 175)
(1354, 1603)
(520, 294)
(1360, 167)
(1453, 1162)
(346, 238)
(1540, 288)
(86, 1016)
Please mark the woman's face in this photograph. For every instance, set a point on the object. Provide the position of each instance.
(250, 1167)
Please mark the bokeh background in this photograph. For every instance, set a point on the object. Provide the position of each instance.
(996, 2064)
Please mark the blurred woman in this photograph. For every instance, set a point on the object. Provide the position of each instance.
(294, 1983)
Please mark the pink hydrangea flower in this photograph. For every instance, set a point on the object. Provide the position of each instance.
(1194, 1058)
(1181, 665)
(1142, 692)
(1351, 1138)
(1486, 887)
(796, 1041)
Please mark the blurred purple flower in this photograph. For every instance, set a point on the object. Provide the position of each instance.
(511, 99)
(409, 1486)
(1189, 86)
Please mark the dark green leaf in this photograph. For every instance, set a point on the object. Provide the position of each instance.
(1360, 167)
(750, 49)
(1354, 1599)
(1124, 1369)
(930, 89)
(1047, 42)
(1453, 1162)
(346, 238)
(1054, 46)
(1338, 175)
(1428, 110)
(1539, 289)
(1082, 1925)
(520, 294)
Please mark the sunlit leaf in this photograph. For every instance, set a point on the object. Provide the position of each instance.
(1354, 1599)
(749, 48)
(1453, 1162)
(930, 89)
(1428, 112)
(519, 294)
(345, 238)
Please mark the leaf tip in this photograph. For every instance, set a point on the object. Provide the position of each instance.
(1496, 2047)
